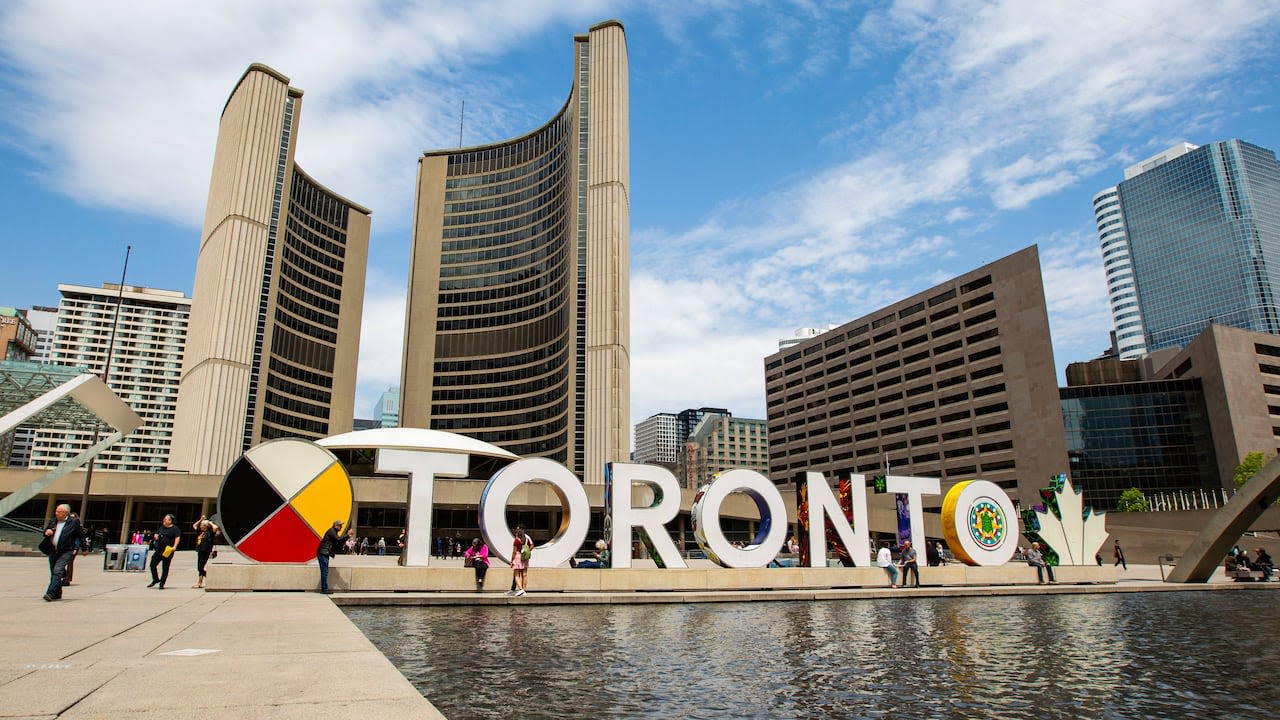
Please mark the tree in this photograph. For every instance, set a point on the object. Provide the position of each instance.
(1248, 467)
(1132, 500)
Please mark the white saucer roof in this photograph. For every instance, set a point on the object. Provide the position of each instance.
(414, 439)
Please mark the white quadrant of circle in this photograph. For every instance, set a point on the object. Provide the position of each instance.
(289, 464)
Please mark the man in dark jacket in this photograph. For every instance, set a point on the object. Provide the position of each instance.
(328, 547)
(61, 541)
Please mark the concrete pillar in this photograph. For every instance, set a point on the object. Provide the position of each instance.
(126, 522)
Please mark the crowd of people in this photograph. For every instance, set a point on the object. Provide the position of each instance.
(65, 537)
(1238, 559)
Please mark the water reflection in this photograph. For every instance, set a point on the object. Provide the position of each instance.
(1113, 656)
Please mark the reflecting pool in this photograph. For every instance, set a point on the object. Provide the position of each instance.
(1135, 655)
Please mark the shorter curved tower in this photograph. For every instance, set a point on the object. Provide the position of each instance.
(517, 328)
(275, 312)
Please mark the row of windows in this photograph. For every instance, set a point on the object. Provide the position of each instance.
(302, 351)
(555, 277)
(792, 366)
(277, 424)
(524, 154)
(306, 195)
(554, 291)
(280, 367)
(526, 209)
(295, 406)
(305, 392)
(528, 248)
(553, 422)
(551, 308)
(318, 248)
(518, 411)
(306, 312)
(549, 356)
(307, 267)
(511, 195)
(288, 285)
(545, 219)
(547, 166)
(470, 390)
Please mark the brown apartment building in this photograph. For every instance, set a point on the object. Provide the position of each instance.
(956, 382)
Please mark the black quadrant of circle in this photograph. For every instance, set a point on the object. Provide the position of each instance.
(246, 499)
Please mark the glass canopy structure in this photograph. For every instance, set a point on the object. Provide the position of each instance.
(65, 397)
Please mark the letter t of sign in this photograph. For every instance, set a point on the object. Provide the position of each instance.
(423, 469)
(914, 487)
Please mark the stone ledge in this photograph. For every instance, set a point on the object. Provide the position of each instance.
(306, 577)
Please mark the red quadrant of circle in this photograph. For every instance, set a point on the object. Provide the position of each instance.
(284, 537)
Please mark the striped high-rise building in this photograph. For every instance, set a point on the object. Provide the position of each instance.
(517, 330)
(656, 441)
(279, 288)
(142, 331)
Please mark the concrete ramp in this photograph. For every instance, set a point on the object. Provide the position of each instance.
(1227, 525)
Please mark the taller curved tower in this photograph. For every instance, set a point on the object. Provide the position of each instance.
(517, 330)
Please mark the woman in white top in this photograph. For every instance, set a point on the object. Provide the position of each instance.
(884, 558)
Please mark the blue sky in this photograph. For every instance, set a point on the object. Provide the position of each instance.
(793, 163)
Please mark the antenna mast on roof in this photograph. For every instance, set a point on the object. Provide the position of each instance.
(461, 117)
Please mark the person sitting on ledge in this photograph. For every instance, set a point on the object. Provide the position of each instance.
(1263, 563)
(1036, 560)
(599, 559)
(477, 557)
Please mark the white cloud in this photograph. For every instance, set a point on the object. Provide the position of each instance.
(691, 348)
(1075, 290)
(120, 101)
(381, 339)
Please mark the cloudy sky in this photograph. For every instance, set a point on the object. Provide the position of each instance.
(793, 163)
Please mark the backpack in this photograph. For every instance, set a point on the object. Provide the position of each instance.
(526, 550)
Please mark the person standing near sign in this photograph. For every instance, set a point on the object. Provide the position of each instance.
(61, 540)
(327, 549)
(204, 546)
(909, 561)
(521, 552)
(164, 544)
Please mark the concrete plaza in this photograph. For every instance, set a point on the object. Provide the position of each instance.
(112, 648)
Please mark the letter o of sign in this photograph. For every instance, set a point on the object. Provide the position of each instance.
(574, 523)
(979, 523)
(769, 538)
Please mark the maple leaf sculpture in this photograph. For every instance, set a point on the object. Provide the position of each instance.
(1072, 530)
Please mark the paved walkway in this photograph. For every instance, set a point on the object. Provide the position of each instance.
(111, 648)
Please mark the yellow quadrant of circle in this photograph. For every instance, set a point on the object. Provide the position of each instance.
(326, 499)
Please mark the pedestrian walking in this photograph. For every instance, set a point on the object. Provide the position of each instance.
(61, 542)
(163, 545)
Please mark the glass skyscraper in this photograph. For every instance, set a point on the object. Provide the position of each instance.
(1192, 236)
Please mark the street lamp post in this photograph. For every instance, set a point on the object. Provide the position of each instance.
(106, 378)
